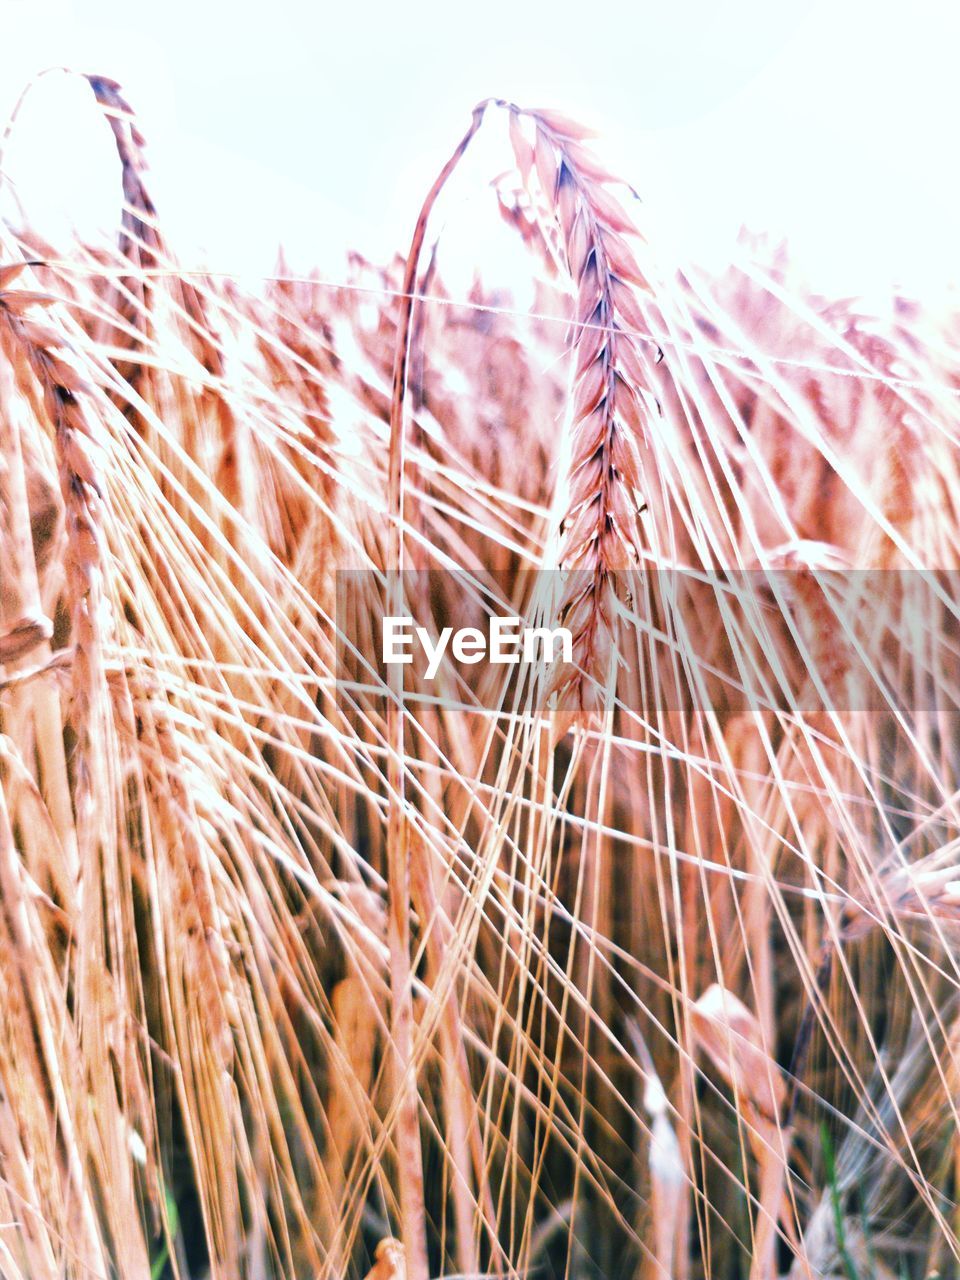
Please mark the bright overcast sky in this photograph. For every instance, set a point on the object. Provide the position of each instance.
(321, 125)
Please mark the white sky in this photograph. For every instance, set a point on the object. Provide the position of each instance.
(321, 125)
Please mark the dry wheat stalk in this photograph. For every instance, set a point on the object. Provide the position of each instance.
(732, 1039)
(927, 890)
(668, 1178)
(143, 247)
(141, 240)
(49, 373)
(399, 842)
(39, 353)
(730, 1035)
(389, 1261)
(613, 399)
(141, 243)
(24, 635)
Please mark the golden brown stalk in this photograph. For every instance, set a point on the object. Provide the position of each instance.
(48, 372)
(388, 1261)
(29, 524)
(24, 635)
(142, 245)
(35, 1077)
(465, 1139)
(668, 1178)
(410, 1157)
(38, 352)
(613, 399)
(141, 239)
(925, 890)
(730, 1036)
(348, 1091)
(732, 1039)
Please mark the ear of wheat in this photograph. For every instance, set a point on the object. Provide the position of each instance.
(613, 398)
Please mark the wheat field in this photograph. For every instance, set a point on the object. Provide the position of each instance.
(646, 971)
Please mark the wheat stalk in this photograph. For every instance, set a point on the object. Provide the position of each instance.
(38, 351)
(613, 399)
